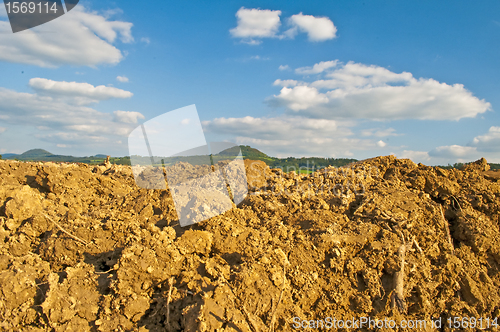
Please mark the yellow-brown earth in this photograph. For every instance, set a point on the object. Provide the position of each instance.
(82, 248)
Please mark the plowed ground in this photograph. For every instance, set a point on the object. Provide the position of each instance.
(82, 248)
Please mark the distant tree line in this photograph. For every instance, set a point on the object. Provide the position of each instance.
(309, 163)
(455, 165)
(461, 165)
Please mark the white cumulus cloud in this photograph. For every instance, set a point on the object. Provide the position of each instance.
(48, 113)
(256, 23)
(317, 28)
(80, 93)
(486, 145)
(127, 117)
(356, 90)
(489, 142)
(63, 121)
(80, 37)
(122, 79)
(302, 98)
(317, 68)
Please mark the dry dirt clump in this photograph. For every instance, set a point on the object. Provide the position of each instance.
(82, 248)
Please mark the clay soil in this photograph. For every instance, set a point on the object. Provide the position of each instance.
(82, 248)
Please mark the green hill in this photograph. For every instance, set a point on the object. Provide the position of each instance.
(44, 155)
(34, 154)
(251, 153)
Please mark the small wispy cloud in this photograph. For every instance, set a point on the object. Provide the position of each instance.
(317, 68)
(258, 57)
(122, 79)
(127, 117)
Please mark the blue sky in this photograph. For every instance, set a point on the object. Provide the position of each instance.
(333, 79)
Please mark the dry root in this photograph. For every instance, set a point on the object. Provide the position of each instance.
(66, 232)
(171, 285)
(279, 300)
(398, 298)
(447, 230)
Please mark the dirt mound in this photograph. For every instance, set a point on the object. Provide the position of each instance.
(82, 248)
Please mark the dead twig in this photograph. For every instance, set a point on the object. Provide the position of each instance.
(415, 243)
(65, 231)
(257, 306)
(360, 206)
(459, 206)
(398, 298)
(385, 215)
(104, 272)
(447, 230)
(384, 225)
(187, 291)
(458, 203)
(397, 220)
(398, 231)
(1, 312)
(273, 317)
(171, 285)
